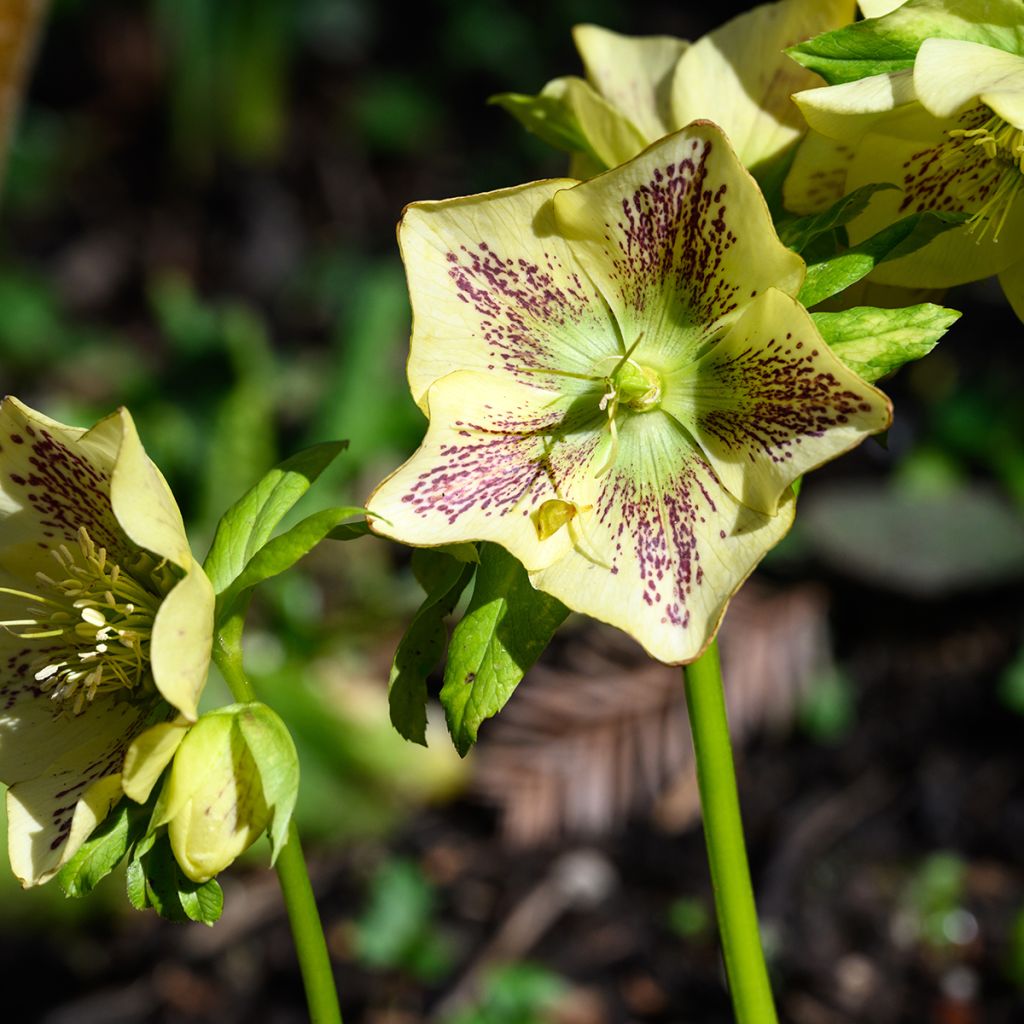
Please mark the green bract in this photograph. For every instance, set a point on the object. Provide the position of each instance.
(950, 133)
(621, 386)
(638, 89)
(108, 624)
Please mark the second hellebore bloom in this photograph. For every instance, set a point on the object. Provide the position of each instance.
(621, 386)
(108, 624)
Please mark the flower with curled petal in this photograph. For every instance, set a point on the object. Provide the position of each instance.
(621, 386)
(950, 133)
(640, 88)
(108, 624)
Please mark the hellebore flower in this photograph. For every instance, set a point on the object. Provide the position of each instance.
(108, 624)
(950, 133)
(620, 386)
(640, 88)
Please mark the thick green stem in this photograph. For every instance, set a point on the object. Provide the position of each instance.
(303, 916)
(723, 831)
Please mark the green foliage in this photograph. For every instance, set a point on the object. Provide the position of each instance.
(828, 275)
(876, 342)
(799, 232)
(829, 709)
(246, 527)
(550, 118)
(155, 880)
(520, 993)
(689, 918)
(104, 849)
(421, 648)
(1011, 684)
(397, 929)
(935, 896)
(889, 44)
(506, 627)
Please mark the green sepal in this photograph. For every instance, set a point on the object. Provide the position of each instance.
(506, 627)
(444, 578)
(103, 850)
(155, 880)
(281, 553)
(549, 118)
(799, 232)
(831, 275)
(277, 762)
(876, 342)
(889, 44)
(248, 524)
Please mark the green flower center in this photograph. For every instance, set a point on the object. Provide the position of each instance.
(93, 622)
(1000, 176)
(636, 387)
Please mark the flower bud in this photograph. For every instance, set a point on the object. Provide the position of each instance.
(234, 775)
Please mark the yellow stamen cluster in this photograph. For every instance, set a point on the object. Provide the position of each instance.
(98, 619)
(1001, 175)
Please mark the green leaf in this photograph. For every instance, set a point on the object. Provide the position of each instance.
(283, 552)
(876, 342)
(103, 850)
(155, 880)
(548, 117)
(800, 232)
(277, 762)
(350, 531)
(201, 902)
(506, 627)
(888, 44)
(247, 525)
(444, 578)
(830, 276)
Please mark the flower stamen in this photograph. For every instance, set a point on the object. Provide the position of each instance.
(999, 178)
(103, 617)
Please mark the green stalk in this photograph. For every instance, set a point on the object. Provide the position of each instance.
(723, 831)
(303, 916)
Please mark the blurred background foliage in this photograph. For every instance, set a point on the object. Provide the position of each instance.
(199, 217)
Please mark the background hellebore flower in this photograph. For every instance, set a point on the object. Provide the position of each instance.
(640, 88)
(950, 133)
(635, 386)
(108, 623)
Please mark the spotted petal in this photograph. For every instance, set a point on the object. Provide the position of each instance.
(51, 814)
(495, 452)
(678, 241)
(817, 176)
(770, 402)
(739, 77)
(495, 289)
(633, 73)
(664, 546)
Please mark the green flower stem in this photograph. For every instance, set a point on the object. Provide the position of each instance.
(723, 831)
(303, 916)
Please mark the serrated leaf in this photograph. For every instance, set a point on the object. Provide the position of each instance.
(506, 627)
(888, 44)
(443, 578)
(102, 851)
(350, 531)
(202, 903)
(830, 276)
(281, 553)
(135, 880)
(162, 878)
(800, 232)
(277, 762)
(248, 524)
(876, 342)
